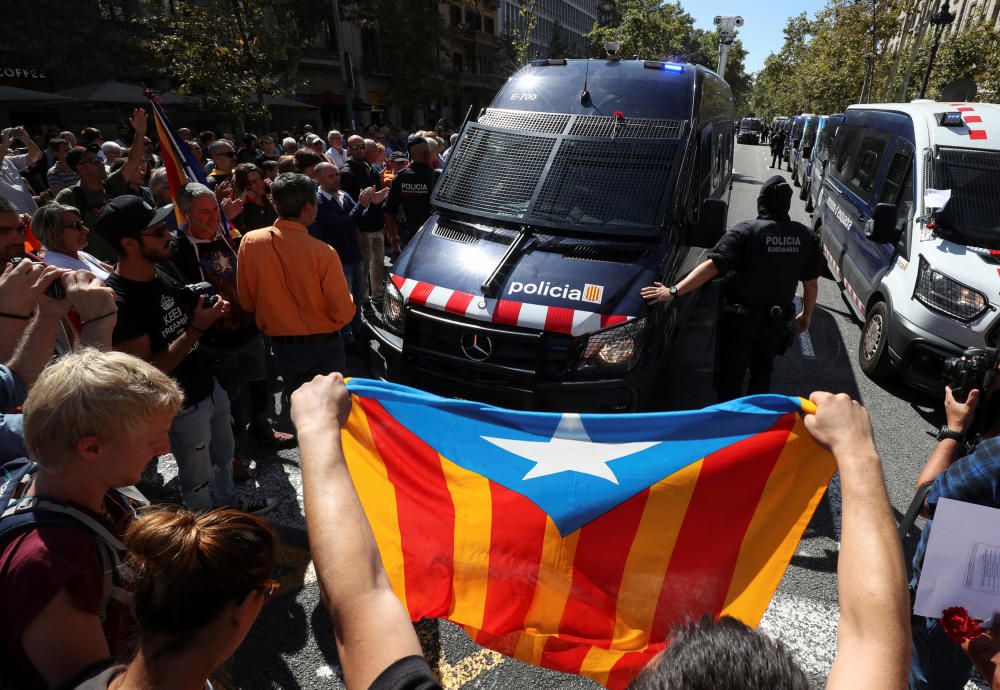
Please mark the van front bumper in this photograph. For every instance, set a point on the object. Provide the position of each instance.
(390, 359)
(919, 354)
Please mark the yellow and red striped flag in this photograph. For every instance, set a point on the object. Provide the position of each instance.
(576, 542)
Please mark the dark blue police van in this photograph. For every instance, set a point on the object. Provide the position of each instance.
(584, 181)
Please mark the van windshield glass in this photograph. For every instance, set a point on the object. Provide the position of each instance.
(586, 173)
(972, 215)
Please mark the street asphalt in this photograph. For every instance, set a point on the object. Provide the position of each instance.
(291, 645)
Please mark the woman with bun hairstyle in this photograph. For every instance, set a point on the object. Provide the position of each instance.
(200, 582)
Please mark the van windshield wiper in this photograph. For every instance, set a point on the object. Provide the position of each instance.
(520, 243)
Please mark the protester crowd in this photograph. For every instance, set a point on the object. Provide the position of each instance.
(133, 325)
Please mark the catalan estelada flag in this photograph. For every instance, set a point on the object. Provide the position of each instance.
(179, 162)
(576, 542)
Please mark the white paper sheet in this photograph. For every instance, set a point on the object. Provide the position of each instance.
(936, 198)
(962, 562)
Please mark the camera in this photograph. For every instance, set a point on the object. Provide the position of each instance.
(55, 290)
(191, 293)
(974, 369)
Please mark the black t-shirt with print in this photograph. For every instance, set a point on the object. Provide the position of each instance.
(157, 309)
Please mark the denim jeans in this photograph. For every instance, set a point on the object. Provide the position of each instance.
(201, 440)
(298, 363)
(356, 283)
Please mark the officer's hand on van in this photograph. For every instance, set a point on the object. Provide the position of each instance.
(657, 292)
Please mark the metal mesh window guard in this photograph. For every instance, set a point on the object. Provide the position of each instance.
(564, 170)
(973, 176)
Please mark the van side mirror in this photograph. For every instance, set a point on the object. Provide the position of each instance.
(711, 224)
(882, 226)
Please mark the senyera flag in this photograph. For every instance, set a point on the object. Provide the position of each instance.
(178, 160)
(576, 542)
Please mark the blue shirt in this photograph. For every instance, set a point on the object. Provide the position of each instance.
(973, 478)
(337, 225)
(12, 394)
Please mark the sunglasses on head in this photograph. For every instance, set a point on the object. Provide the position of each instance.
(77, 224)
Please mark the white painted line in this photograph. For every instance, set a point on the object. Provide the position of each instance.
(324, 672)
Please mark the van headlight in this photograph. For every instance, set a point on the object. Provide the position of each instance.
(614, 350)
(393, 311)
(937, 291)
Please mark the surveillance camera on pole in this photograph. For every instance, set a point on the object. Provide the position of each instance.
(727, 34)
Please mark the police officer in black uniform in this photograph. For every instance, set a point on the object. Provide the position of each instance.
(763, 261)
(411, 189)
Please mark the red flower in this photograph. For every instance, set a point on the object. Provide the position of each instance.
(619, 115)
(957, 625)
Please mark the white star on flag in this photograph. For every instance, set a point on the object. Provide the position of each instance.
(570, 450)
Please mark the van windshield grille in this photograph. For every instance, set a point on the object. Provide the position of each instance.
(972, 215)
(593, 174)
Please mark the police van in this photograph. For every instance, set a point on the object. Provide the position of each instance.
(825, 132)
(909, 219)
(584, 181)
(803, 149)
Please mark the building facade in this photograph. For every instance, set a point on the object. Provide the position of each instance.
(559, 24)
(916, 31)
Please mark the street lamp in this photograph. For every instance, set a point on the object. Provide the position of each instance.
(939, 20)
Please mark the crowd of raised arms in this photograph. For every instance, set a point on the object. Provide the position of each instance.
(135, 324)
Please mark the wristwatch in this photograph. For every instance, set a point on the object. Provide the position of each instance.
(946, 433)
(672, 290)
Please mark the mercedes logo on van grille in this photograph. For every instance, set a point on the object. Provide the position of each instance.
(478, 348)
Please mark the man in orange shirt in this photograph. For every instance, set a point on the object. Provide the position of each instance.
(295, 286)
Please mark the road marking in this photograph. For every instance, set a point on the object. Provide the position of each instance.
(805, 340)
(468, 669)
(324, 672)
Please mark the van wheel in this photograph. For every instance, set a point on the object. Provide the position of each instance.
(873, 349)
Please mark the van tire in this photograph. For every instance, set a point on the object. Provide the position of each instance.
(873, 346)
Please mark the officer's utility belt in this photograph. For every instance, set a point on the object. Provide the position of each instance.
(776, 312)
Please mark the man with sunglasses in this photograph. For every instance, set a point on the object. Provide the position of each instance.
(224, 157)
(161, 322)
(94, 189)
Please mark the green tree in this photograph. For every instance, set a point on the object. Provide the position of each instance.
(973, 54)
(828, 62)
(649, 29)
(227, 52)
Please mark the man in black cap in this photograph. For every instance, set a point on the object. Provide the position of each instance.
(765, 259)
(161, 321)
(411, 190)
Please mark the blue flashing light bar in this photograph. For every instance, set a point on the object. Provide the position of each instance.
(950, 119)
(665, 66)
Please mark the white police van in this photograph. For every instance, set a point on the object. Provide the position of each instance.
(909, 219)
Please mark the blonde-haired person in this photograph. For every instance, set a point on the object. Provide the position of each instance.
(92, 422)
(200, 582)
(62, 232)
